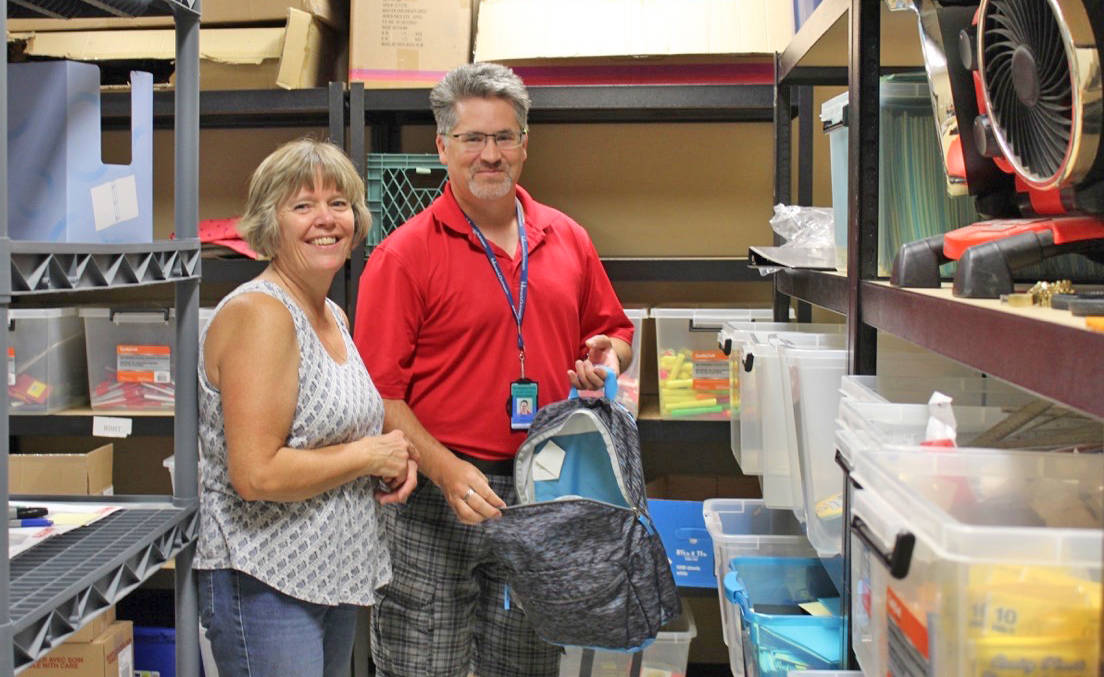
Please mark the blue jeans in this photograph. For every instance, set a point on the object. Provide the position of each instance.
(258, 631)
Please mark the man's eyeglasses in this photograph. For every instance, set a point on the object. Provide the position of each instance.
(473, 142)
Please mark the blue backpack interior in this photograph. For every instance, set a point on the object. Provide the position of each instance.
(586, 471)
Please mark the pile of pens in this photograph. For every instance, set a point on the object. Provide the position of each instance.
(113, 393)
(20, 516)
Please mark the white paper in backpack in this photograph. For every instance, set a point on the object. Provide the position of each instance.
(548, 463)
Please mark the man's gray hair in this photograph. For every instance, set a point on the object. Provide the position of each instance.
(482, 81)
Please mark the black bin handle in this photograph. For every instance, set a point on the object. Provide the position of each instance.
(898, 559)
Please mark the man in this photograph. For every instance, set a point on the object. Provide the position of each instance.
(482, 302)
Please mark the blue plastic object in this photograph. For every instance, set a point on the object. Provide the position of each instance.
(689, 546)
(803, 9)
(155, 650)
(776, 634)
(610, 387)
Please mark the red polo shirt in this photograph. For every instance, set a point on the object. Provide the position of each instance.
(434, 327)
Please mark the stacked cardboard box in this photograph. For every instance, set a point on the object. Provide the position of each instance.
(258, 44)
(635, 41)
(71, 474)
(110, 653)
(407, 43)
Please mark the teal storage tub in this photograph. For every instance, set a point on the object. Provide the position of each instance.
(775, 634)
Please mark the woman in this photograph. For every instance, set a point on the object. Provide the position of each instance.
(290, 435)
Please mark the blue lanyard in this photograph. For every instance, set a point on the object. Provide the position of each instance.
(518, 311)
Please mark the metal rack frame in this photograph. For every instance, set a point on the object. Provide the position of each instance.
(386, 111)
(50, 591)
(1052, 359)
(1055, 360)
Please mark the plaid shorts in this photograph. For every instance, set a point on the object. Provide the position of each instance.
(442, 614)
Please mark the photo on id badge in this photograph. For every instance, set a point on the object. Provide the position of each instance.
(523, 404)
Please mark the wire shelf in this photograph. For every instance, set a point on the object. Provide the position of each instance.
(75, 9)
(38, 267)
(59, 584)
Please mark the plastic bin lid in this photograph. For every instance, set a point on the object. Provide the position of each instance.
(977, 504)
(801, 340)
(721, 314)
(831, 111)
(636, 314)
(971, 390)
(40, 313)
(802, 327)
(902, 90)
(807, 355)
(905, 89)
(133, 314)
(753, 520)
(681, 628)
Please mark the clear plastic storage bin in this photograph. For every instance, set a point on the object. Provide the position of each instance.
(694, 376)
(1004, 577)
(966, 390)
(912, 186)
(130, 363)
(667, 656)
(747, 420)
(741, 527)
(46, 364)
(782, 422)
(774, 597)
(628, 382)
(811, 391)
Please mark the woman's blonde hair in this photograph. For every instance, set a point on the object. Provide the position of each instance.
(289, 168)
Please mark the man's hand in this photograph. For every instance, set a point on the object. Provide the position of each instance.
(400, 487)
(590, 374)
(468, 493)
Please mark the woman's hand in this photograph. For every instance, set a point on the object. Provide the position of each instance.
(389, 454)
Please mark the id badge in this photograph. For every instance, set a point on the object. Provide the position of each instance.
(522, 405)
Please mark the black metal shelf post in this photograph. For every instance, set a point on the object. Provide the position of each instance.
(864, 60)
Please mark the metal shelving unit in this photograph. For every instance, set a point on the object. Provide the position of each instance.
(1048, 352)
(1041, 353)
(50, 591)
(387, 111)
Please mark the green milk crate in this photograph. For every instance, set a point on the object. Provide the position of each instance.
(398, 186)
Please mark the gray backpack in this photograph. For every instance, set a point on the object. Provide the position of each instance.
(583, 558)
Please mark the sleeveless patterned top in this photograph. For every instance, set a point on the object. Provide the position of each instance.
(327, 549)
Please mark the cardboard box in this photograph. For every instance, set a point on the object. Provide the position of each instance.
(109, 655)
(215, 13)
(578, 42)
(407, 43)
(95, 627)
(77, 474)
(72, 196)
(300, 54)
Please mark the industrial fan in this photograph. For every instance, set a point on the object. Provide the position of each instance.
(1027, 83)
